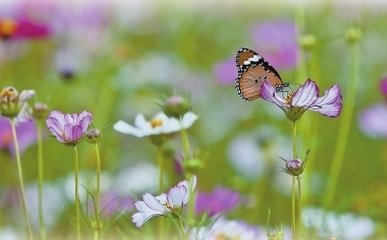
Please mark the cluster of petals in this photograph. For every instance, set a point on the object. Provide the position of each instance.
(164, 204)
(306, 97)
(160, 124)
(68, 128)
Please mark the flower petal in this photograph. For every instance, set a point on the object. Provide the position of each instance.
(152, 202)
(305, 95)
(269, 94)
(25, 95)
(188, 119)
(331, 103)
(125, 128)
(177, 195)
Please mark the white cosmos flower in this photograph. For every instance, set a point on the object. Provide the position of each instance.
(222, 228)
(160, 124)
(164, 204)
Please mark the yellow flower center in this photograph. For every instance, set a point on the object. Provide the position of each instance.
(7, 27)
(221, 236)
(156, 123)
(289, 98)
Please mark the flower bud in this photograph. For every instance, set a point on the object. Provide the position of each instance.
(307, 41)
(39, 111)
(295, 167)
(192, 165)
(93, 135)
(11, 102)
(176, 106)
(353, 35)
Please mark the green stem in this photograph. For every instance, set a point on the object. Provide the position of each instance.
(98, 200)
(20, 172)
(181, 225)
(41, 180)
(296, 193)
(185, 143)
(295, 154)
(160, 164)
(294, 208)
(77, 209)
(345, 125)
(298, 208)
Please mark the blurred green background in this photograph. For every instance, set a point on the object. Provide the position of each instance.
(116, 59)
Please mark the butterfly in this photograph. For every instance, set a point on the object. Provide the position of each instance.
(253, 69)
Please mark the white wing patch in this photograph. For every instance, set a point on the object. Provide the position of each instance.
(255, 58)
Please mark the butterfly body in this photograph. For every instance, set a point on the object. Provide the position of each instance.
(253, 69)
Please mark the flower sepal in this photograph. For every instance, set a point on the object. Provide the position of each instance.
(295, 167)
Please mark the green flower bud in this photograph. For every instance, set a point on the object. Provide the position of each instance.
(176, 106)
(307, 42)
(353, 35)
(192, 165)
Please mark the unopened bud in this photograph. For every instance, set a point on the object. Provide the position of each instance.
(176, 106)
(93, 135)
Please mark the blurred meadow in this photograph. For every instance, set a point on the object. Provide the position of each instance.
(116, 59)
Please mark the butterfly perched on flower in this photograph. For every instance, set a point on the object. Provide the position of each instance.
(253, 69)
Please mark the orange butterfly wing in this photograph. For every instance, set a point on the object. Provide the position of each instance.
(253, 69)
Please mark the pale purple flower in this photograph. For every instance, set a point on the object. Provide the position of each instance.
(113, 203)
(164, 204)
(68, 128)
(306, 97)
(219, 200)
(372, 121)
(276, 41)
(25, 131)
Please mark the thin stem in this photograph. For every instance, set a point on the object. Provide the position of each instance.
(41, 180)
(295, 154)
(181, 225)
(160, 164)
(185, 143)
(77, 210)
(98, 200)
(294, 208)
(345, 125)
(298, 208)
(296, 193)
(20, 172)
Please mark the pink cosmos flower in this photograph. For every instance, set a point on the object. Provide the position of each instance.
(23, 29)
(164, 204)
(277, 42)
(218, 201)
(306, 97)
(26, 132)
(69, 128)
